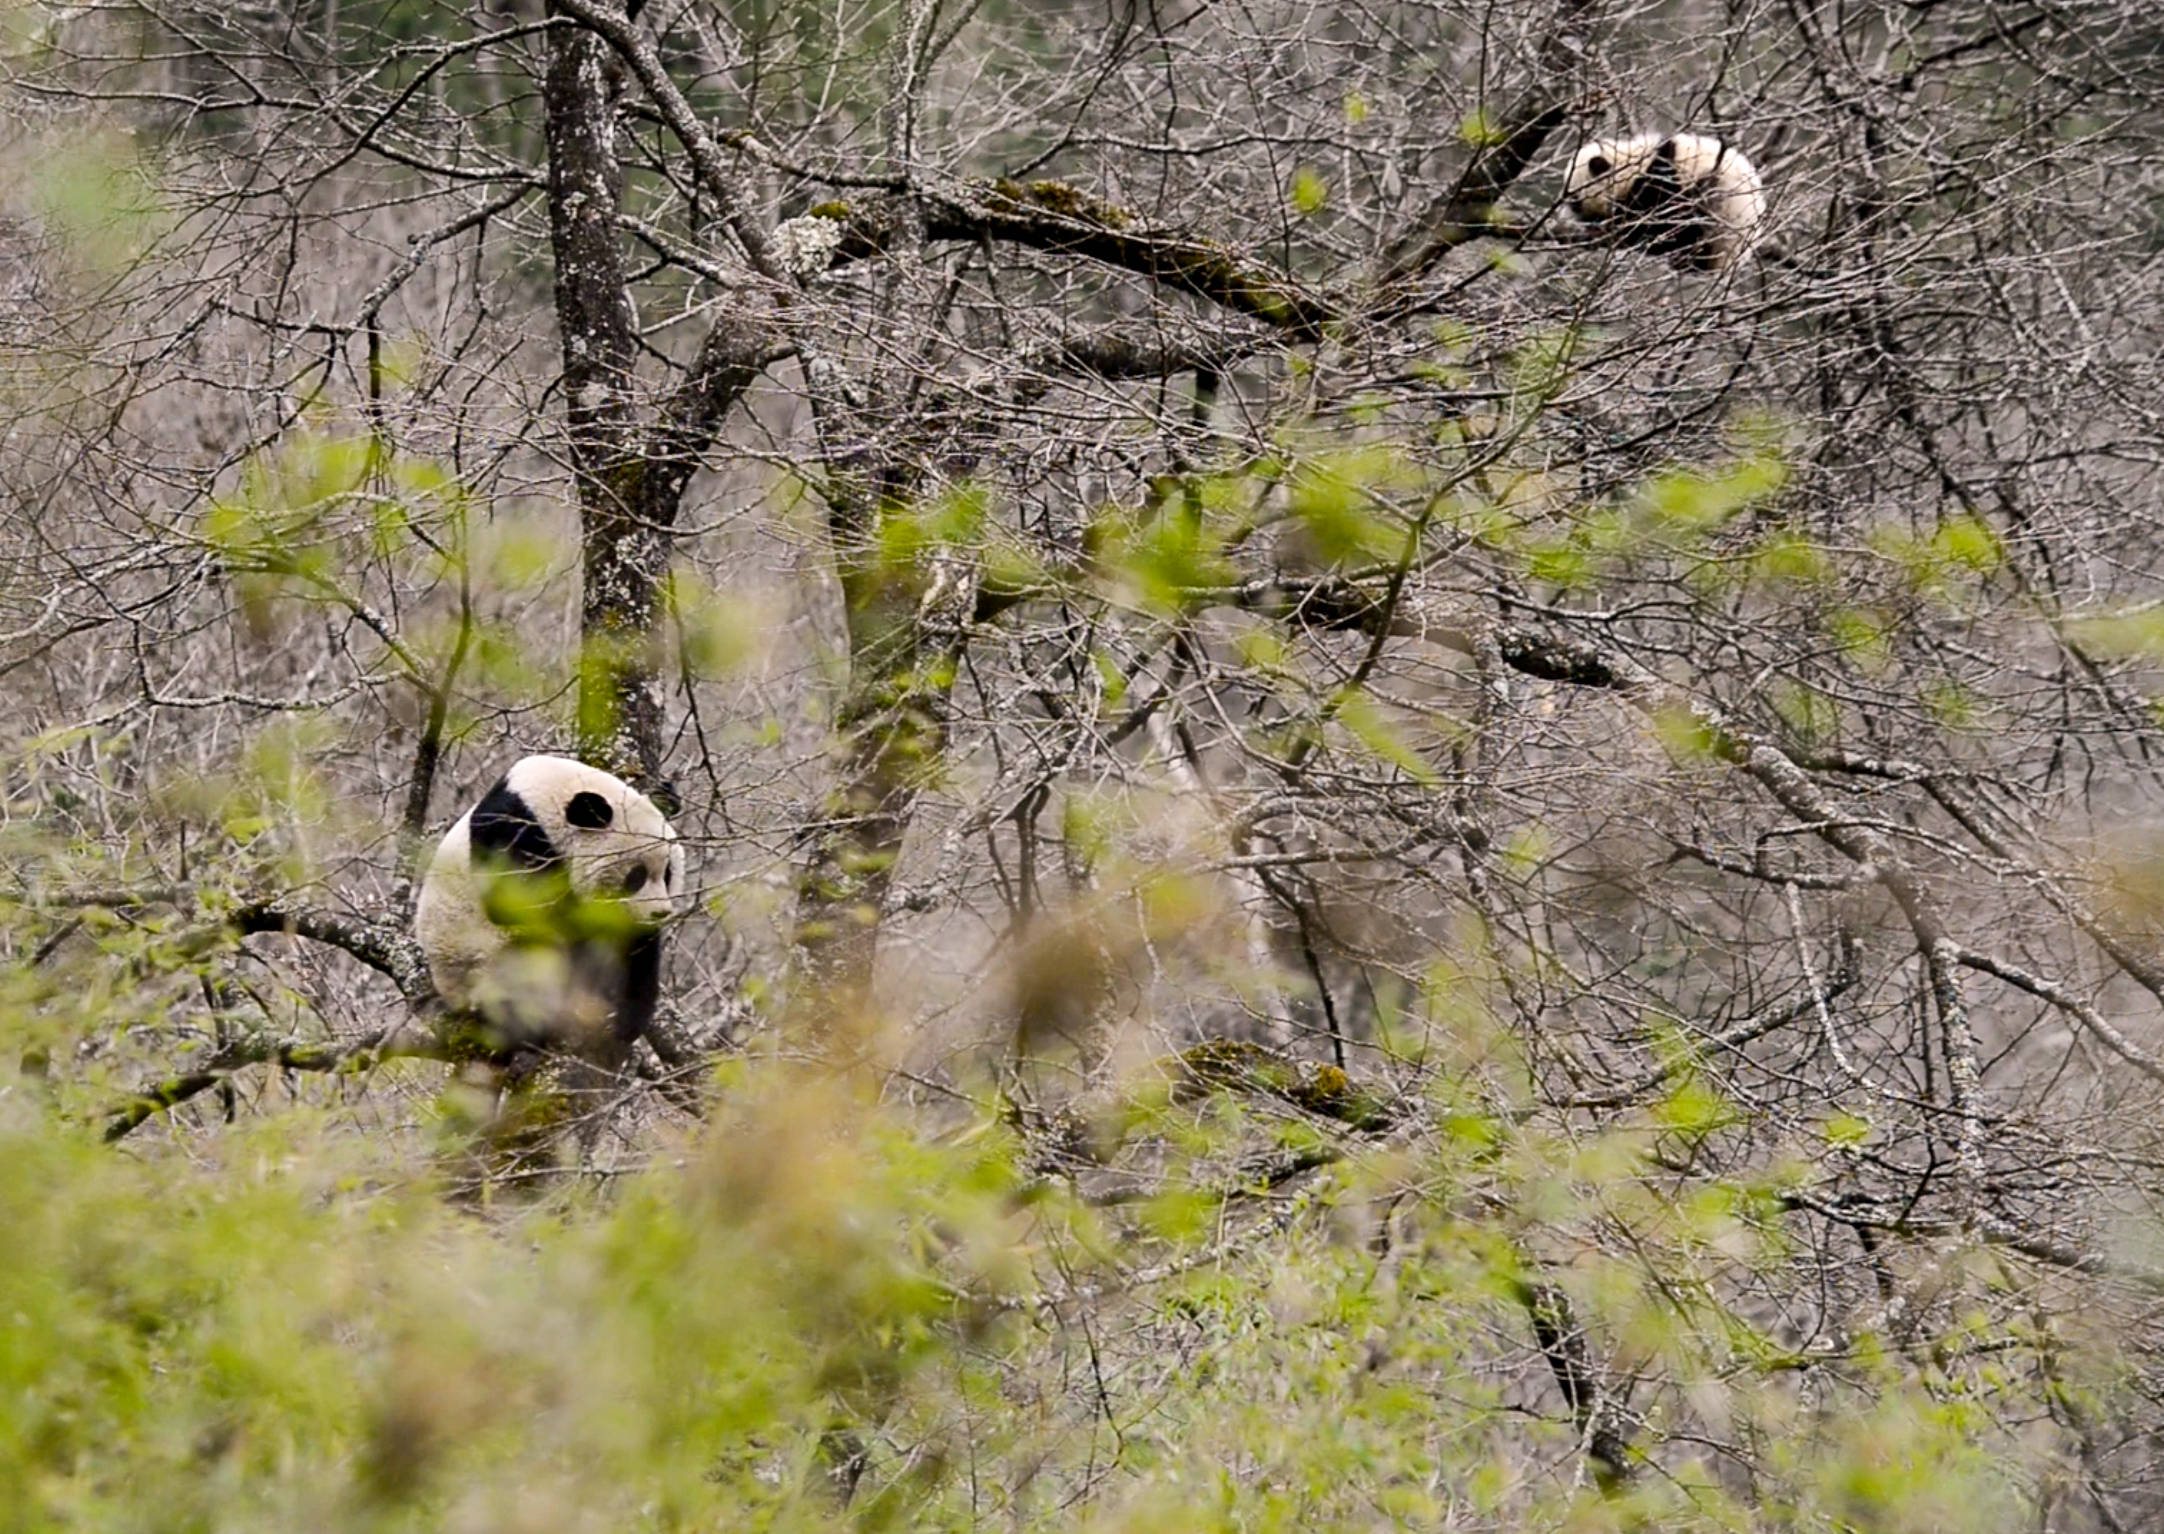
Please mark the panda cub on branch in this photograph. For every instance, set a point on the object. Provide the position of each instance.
(1685, 196)
(542, 909)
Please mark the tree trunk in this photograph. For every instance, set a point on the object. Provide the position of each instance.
(906, 627)
(624, 527)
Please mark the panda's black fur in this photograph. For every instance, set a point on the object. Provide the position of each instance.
(542, 909)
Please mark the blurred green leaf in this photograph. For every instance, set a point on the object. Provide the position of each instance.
(1309, 191)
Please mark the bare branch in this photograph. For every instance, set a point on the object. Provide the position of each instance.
(351, 1058)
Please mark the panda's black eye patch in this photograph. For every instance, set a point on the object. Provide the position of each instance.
(589, 811)
(635, 880)
(1597, 166)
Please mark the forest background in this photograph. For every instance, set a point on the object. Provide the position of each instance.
(1358, 861)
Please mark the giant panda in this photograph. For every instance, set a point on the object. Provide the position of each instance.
(541, 912)
(1686, 196)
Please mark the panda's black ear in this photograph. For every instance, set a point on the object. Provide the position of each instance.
(504, 826)
(589, 811)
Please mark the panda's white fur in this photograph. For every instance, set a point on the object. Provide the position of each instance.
(1687, 196)
(552, 817)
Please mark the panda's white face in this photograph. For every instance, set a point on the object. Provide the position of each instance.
(550, 813)
(549, 816)
(1602, 176)
(1691, 197)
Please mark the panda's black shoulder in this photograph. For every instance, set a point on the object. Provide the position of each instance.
(1656, 186)
(504, 826)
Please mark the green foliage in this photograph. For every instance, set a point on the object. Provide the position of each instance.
(1373, 728)
(1951, 559)
(719, 632)
(1865, 636)
(1339, 497)
(1309, 191)
(1166, 562)
(1696, 501)
(100, 197)
(955, 519)
(1847, 1131)
(1680, 515)
(1482, 130)
(1786, 557)
(299, 1330)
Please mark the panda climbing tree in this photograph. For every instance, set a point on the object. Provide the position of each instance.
(542, 911)
(1687, 196)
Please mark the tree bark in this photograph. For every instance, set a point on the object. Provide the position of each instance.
(630, 459)
(624, 550)
(906, 629)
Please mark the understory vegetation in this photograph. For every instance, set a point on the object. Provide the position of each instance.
(1361, 857)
